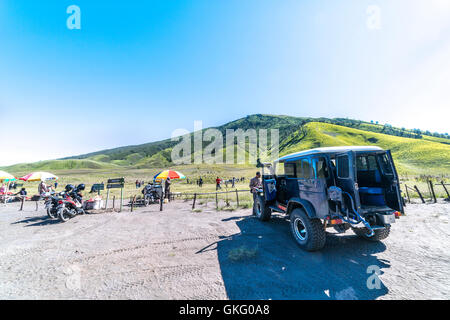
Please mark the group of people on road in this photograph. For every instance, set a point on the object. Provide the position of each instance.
(42, 189)
(139, 183)
(231, 181)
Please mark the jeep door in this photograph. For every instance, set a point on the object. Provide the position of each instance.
(311, 188)
(346, 176)
(393, 195)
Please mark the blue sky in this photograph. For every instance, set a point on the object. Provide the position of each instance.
(138, 70)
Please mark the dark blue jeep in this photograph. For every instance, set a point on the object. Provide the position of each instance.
(340, 187)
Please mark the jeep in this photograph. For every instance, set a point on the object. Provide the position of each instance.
(339, 187)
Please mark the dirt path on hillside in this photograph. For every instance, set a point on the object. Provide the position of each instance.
(179, 254)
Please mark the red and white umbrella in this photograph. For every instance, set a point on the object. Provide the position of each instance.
(39, 176)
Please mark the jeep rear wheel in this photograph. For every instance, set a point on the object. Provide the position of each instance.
(308, 233)
(379, 235)
(260, 210)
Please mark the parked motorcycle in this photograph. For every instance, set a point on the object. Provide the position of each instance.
(72, 204)
(51, 203)
(152, 194)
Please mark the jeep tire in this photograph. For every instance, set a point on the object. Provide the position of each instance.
(308, 233)
(379, 235)
(260, 210)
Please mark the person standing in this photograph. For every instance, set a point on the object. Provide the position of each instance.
(56, 185)
(200, 182)
(233, 182)
(167, 188)
(22, 192)
(218, 181)
(255, 185)
(42, 188)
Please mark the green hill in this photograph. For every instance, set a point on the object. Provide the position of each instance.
(413, 156)
(414, 152)
(51, 165)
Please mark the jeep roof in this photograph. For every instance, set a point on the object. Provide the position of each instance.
(328, 150)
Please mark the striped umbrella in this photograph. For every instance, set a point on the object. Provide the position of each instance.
(172, 174)
(39, 176)
(6, 176)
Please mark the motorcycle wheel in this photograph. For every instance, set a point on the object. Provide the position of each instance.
(63, 215)
(51, 213)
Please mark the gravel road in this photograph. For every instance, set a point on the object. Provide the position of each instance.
(180, 254)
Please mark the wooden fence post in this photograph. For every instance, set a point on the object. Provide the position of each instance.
(227, 201)
(114, 202)
(429, 190)
(432, 191)
(37, 205)
(121, 199)
(132, 203)
(193, 203)
(21, 205)
(445, 188)
(107, 198)
(217, 202)
(237, 198)
(161, 201)
(407, 193)
(420, 195)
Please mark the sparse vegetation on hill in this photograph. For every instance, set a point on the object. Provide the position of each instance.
(415, 151)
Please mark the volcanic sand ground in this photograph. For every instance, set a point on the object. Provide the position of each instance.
(180, 254)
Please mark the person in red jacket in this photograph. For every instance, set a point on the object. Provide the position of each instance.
(218, 181)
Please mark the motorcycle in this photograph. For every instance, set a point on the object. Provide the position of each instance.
(151, 195)
(72, 204)
(51, 203)
(68, 208)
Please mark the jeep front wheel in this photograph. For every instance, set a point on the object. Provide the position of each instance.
(308, 233)
(260, 210)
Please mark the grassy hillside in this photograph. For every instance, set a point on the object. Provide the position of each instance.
(52, 165)
(417, 156)
(412, 156)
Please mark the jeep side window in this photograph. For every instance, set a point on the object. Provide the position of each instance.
(366, 163)
(385, 164)
(361, 163)
(372, 162)
(306, 170)
(342, 167)
(289, 169)
(320, 168)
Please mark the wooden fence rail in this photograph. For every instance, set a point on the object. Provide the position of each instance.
(431, 190)
(195, 194)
